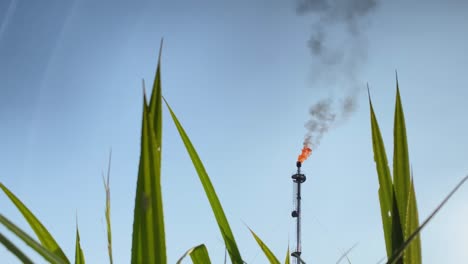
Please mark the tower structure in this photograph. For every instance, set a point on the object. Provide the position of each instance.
(298, 178)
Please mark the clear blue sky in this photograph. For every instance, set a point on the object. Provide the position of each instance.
(241, 78)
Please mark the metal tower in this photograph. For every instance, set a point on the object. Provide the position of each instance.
(298, 179)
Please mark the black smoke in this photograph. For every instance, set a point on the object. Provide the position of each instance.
(338, 45)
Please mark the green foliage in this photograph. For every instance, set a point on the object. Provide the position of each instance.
(198, 254)
(148, 243)
(79, 256)
(15, 250)
(218, 211)
(42, 234)
(43, 251)
(270, 256)
(287, 260)
(397, 197)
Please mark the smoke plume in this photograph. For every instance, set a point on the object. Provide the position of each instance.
(338, 45)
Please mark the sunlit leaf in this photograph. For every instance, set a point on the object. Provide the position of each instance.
(401, 163)
(39, 229)
(412, 254)
(79, 256)
(43, 251)
(221, 219)
(148, 241)
(388, 209)
(198, 254)
(268, 253)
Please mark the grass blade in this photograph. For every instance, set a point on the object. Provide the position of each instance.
(401, 165)
(397, 255)
(148, 230)
(287, 260)
(79, 256)
(14, 250)
(198, 254)
(404, 188)
(43, 251)
(155, 105)
(221, 219)
(148, 238)
(268, 253)
(108, 208)
(413, 253)
(41, 232)
(388, 209)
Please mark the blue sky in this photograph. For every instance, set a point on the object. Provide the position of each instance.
(241, 79)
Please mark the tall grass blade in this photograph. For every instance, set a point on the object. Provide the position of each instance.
(398, 253)
(388, 209)
(404, 189)
(15, 250)
(79, 256)
(413, 253)
(155, 105)
(108, 208)
(287, 260)
(221, 219)
(43, 251)
(198, 254)
(268, 253)
(41, 232)
(149, 244)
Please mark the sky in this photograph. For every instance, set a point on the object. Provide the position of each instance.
(241, 77)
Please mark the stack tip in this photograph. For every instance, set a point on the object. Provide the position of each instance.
(298, 164)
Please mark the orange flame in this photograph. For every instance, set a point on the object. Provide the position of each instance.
(306, 151)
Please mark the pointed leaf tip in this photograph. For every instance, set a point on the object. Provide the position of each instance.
(368, 94)
(160, 50)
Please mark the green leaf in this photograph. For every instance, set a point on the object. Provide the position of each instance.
(41, 232)
(14, 249)
(388, 209)
(79, 256)
(198, 254)
(43, 251)
(223, 224)
(148, 243)
(155, 105)
(412, 254)
(108, 208)
(268, 253)
(397, 255)
(401, 164)
(287, 260)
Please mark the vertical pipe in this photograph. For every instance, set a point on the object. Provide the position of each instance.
(298, 179)
(298, 245)
(298, 209)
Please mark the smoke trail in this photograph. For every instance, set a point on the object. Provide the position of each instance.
(338, 45)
